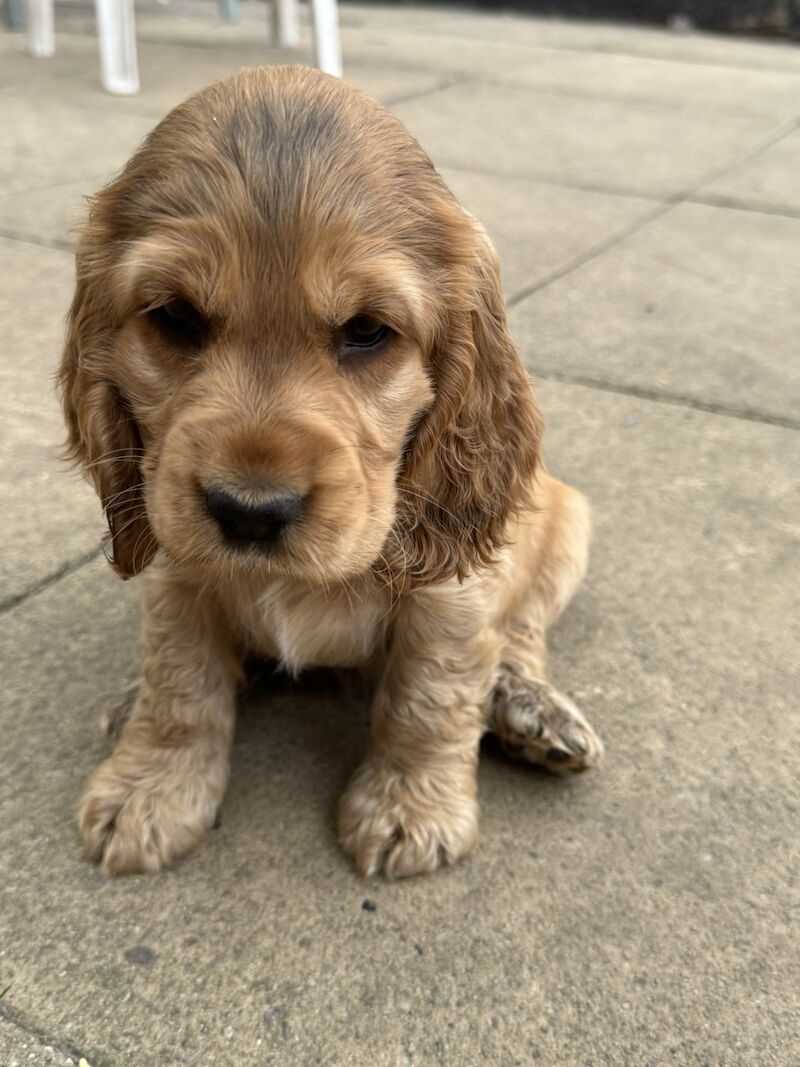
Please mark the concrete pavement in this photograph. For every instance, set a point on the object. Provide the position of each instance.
(641, 188)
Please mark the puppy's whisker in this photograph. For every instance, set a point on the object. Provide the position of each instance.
(133, 509)
(349, 590)
(127, 450)
(132, 491)
(144, 533)
(141, 514)
(123, 456)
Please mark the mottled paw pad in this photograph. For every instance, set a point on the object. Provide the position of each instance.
(534, 722)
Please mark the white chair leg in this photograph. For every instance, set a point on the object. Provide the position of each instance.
(327, 48)
(116, 33)
(41, 41)
(285, 23)
(229, 9)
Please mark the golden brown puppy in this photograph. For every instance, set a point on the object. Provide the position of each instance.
(289, 376)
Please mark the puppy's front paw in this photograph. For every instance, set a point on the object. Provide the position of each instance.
(535, 722)
(408, 822)
(142, 820)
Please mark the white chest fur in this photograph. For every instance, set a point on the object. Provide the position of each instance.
(307, 626)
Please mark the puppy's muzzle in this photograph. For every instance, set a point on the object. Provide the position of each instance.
(246, 522)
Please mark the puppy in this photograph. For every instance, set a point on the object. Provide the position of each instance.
(288, 375)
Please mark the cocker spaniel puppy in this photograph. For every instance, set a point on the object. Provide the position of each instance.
(289, 377)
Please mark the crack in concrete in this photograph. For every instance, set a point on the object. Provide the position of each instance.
(549, 178)
(416, 94)
(682, 197)
(62, 1045)
(673, 399)
(589, 254)
(759, 147)
(70, 567)
(622, 192)
(629, 99)
(732, 203)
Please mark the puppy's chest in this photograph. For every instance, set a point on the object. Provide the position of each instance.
(310, 627)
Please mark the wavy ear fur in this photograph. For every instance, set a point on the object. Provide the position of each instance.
(103, 437)
(472, 462)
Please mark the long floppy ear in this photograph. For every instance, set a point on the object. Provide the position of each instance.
(103, 437)
(472, 462)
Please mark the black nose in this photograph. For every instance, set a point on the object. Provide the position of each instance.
(264, 521)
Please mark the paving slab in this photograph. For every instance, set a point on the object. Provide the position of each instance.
(628, 147)
(537, 227)
(640, 914)
(471, 58)
(769, 182)
(692, 88)
(616, 38)
(34, 299)
(50, 516)
(51, 215)
(49, 138)
(19, 67)
(700, 304)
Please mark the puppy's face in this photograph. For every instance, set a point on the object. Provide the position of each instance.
(274, 395)
(274, 363)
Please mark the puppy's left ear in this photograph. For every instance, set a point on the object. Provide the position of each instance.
(472, 463)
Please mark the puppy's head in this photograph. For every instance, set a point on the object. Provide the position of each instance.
(287, 351)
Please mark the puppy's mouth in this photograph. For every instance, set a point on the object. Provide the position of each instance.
(313, 521)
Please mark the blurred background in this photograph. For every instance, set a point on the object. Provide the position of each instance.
(638, 167)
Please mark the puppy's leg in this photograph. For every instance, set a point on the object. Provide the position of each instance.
(412, 804)
(158, 793)
(532, 719)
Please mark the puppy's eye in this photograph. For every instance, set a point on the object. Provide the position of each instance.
(362, 334)
(180, 321)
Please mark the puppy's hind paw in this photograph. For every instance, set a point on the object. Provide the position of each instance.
(535, 722)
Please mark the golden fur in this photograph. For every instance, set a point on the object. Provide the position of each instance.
(278, 207)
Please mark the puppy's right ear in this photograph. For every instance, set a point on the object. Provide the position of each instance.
(103, 437)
